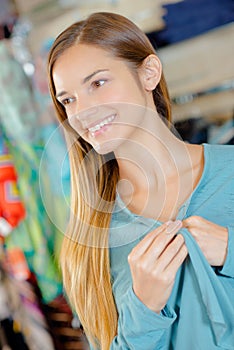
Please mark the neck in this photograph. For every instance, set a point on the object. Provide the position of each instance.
(157, 170)
(151, 155)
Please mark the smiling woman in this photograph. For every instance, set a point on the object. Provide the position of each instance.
(104, 80)
(138, 196)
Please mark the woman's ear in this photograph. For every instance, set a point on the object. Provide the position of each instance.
(150, 72)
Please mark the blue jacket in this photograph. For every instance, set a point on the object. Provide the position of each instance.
(199, 314)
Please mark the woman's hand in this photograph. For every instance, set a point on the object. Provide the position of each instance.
(154, 263)
(211, 238)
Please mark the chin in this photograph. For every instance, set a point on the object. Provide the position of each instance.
(107, 147)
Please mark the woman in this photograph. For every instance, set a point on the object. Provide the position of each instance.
(150, 239)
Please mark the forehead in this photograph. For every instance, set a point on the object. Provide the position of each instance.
(81, 60)
(81, 52)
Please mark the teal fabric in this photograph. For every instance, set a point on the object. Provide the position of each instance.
(19, 125)
(199, 314)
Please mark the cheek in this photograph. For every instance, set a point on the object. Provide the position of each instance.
(127, 93)
(71, 110)
(113, 95)
(75, 124)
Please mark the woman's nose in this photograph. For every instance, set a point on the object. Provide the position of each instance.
(88, 113)
(86, 107)
(86, 116)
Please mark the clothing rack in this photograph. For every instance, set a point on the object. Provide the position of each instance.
(200, 74)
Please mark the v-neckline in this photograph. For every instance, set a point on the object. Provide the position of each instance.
(184, 207)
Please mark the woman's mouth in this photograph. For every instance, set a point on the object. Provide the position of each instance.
(99, 128)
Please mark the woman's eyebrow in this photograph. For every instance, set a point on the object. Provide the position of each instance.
(86, 79)
(60, 94)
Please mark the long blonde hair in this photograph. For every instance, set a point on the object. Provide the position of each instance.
(84, 254)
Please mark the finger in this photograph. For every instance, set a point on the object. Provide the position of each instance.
(197, 233)
(195, 221)
(172, 268)
(147, 240)
(197, 226)
(170, 252)
(152, 251)
(163, 239)
(167, 230)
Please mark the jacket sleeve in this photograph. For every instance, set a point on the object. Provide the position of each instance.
(140, 327)
(228, 267)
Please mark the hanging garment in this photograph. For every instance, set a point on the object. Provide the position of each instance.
(187, 19)
(36, 235)
(12, 210)
(23, 323)
(54, 161)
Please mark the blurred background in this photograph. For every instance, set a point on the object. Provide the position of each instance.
(195, 42)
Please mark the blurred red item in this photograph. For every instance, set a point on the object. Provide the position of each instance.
(17, 264)
(12, 210)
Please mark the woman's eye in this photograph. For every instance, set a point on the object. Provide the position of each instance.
(98, 83)
(67, 101)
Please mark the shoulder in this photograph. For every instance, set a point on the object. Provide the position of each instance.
(214, 195)
(218, 172)
(219, 152)
(219, 158)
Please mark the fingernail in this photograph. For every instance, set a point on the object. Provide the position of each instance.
(173, 226)
(168, 222)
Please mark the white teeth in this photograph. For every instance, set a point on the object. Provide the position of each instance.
(100, 125)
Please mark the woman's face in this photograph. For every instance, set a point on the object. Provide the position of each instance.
(104, 101)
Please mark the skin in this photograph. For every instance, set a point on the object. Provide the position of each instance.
(90, 100)
(158, 171)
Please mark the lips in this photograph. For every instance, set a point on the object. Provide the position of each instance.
(101, 125)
